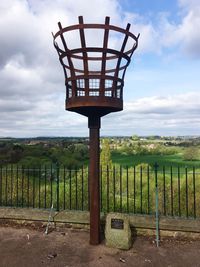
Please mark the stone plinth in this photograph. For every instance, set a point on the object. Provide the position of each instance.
(117, 231)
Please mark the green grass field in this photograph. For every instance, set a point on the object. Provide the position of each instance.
(162, 160)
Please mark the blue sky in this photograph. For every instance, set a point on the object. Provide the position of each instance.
(162, 84)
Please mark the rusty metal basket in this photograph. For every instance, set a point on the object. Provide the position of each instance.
(94, 69)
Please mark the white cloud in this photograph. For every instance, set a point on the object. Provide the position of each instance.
(189, 3)
(31, 79)
(184, 35)
(32, 82)
(171, 115)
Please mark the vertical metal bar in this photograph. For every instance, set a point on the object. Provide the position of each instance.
(103, 62)
(94, 127)
(127, 190)
(82, 188)
(76, 187)
(164, 191)
(64, 186)
(120, 183)
(108, 193)
(45, 186)
(172, 202)
(134, 191)
(57, 187)
(11, 186)
(186, 191)
(6, 185)
(28, 186)
(148, 191)
(51, 185)
(101, 188)
(88, 179)
(70, 189)
(194, 193)
(157, 204)
(1, 184)
(85, 56)
(114, 203)
(179, 193)
(34, 173)
(17, 185)
(22, 186)
(141, 210)
(39, 184)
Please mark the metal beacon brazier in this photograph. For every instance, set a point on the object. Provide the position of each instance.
(94, 79)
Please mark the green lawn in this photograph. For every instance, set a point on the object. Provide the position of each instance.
(162, 160)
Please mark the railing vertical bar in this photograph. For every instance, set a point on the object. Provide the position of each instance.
(64, 187)
(76, 183)
(127, 189)
(101, 188)
(186, 191)
(28, 186)
(1, 184)
(157, 203)
(70, 189)
(134, 190)
(141, 174)
(51, 185)
(17, 186)
(194, 193)
(164, 191)
(6, 186)
(179, 193)
(58, 187)
(11, 186)
(39, 184)
(120, 188)
(108, 193)
(82, 188)
(114, 203)
(88, 189)
(45, 186)
(148, 191)
(172, 202)
(34, 172)
(22, 186)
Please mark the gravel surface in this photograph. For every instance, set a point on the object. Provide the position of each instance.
(30, 247)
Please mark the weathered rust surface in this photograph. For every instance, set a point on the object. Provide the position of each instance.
(94, 76)
(94, 126)
(94, 79)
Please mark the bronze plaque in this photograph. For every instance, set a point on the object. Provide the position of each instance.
(117, 224)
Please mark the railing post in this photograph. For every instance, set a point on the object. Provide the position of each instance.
(57, 187)
(194, 193)
(1, 184)
(156, 204)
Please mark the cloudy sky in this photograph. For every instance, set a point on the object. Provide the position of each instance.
(162, 84)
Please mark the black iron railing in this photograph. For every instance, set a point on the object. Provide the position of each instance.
(129, 190)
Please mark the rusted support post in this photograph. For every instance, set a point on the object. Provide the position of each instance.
(94, 128)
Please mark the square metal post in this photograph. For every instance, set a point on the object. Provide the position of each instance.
(94, 128)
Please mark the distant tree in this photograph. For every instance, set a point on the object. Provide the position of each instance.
(135, 137)
(191, 153)
(105, 156)
(106, 170)
(16, 154)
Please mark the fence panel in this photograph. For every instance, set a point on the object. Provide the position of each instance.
(129, 190)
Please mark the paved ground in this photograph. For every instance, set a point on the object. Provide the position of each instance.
(28, 247)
